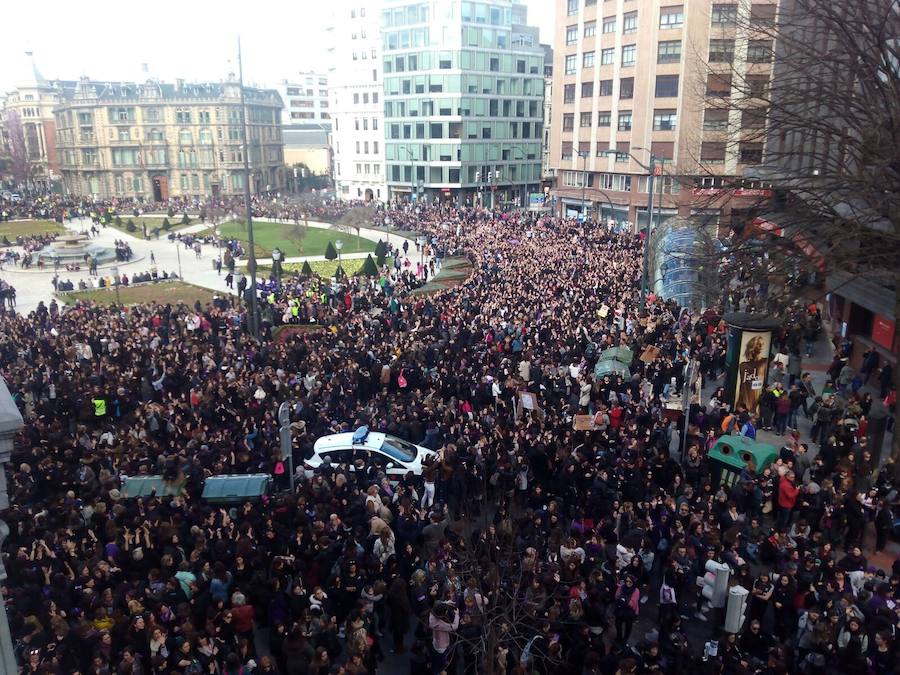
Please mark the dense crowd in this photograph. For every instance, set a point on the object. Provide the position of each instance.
(526, 547)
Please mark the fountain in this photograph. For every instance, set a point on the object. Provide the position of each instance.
(75, 248)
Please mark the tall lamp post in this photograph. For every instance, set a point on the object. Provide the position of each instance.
(338, 245)
(412, 173)
(115, 271)
(284, 436)
(584, 154)
(654, 170)
(251, 259)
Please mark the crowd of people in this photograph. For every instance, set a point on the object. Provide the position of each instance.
(525, 547)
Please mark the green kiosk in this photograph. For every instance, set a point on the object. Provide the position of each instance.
(732, 454)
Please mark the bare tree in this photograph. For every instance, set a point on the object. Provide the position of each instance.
(824, 130)
(18, 150)
(355, 219)
(296, 234)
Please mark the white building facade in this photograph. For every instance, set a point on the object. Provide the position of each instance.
(356, 100)
(306, 100)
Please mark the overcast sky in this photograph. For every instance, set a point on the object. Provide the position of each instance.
(192, 39)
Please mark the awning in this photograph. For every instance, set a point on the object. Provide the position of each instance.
(796, 234)
(863, 292)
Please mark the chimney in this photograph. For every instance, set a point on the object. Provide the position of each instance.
(179, 84)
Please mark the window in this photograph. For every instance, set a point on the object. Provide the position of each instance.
(609, 24)
(626, 87)
(628, 55)
(571, 35)
(762, 15)
(608, 56)
(124, 134)
(712, 152)
(629, 23)
(757, 85)
(603, 118)
(671, 17)
(587, 60)
(668, 51)
(570, 64)
(721, 51)
(663, 150)
(753, 118)
(120, 183)
(568, 122)
(718, 84)
(664, 120)
(759, 51)
(185, 137)
(624, 122)
(571, 7)
(587, 90)
(622, 150)
(666, 86)
(602, 148)
(590, 29)
(586, 119)
(751, 153)
(724, 14)
(606, 87)
(573, 178)
(566, 150)
(569, 93)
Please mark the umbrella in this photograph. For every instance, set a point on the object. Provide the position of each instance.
(611, 367)
(621, 354)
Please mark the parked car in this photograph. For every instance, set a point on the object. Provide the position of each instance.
(393, 455)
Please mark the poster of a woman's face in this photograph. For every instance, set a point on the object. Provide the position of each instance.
(752, 369)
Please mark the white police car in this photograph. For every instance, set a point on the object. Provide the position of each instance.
(392, 455)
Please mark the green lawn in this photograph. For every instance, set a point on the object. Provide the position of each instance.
(324, 268)
(17, 228)
(152, 222)
(295, 240)
(164, 292)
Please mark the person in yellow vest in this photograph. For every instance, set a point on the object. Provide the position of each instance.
(99, 403)
(271, 298)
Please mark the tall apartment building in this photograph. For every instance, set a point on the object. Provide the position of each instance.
(155, 140)
(29, 108)
(636, 78)
(463, 101)
(305, 97)
(356, 95)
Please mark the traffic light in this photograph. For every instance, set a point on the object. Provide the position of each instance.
(715, 583)
(737, 604)
(477, 176)
(490, 176)
(497, 175)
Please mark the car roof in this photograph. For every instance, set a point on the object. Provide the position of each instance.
(336, 441)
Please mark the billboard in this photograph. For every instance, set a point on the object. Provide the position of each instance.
(753, 365)
(536, 201)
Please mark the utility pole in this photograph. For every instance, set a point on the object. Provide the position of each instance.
(644, 274)
(284, 435)
(251, 260)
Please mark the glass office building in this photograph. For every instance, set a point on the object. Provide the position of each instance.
(463, 101)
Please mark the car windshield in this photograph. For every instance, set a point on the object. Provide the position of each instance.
(397, 448)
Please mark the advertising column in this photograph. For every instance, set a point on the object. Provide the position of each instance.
(747, 359)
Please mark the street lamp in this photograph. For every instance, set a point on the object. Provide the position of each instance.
(584, 154)
(653, 170)
(420, 242)
(338, 245)
(286, 442)
(115, 271)
(277, 257)
(412, 173)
